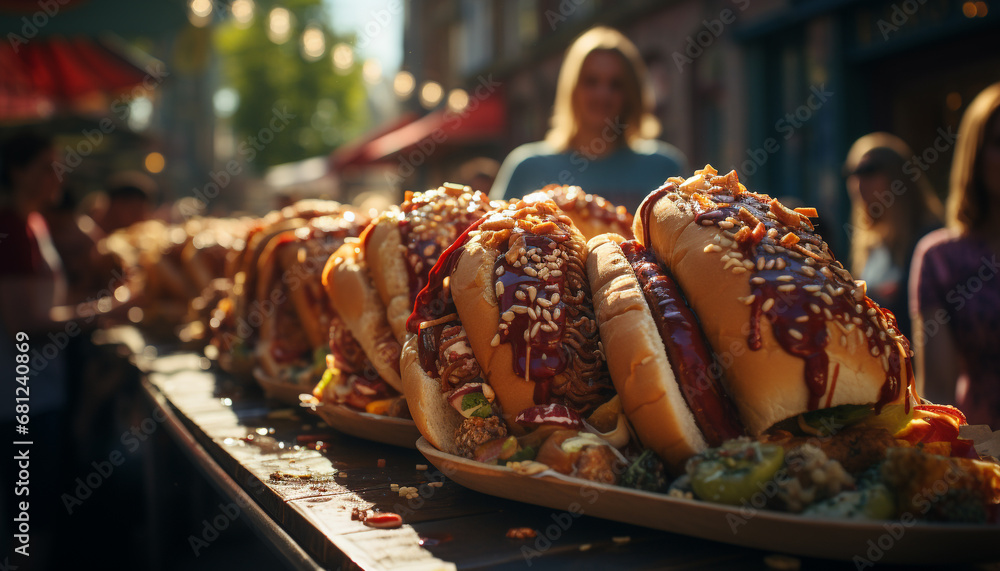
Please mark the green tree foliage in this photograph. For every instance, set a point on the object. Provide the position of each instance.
(329, 105)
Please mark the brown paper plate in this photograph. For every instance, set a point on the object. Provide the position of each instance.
(858, 542)
(285, 393)
(385, 429)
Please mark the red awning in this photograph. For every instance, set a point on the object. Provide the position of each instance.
(481, 120)
(352, 153)
(47, 73)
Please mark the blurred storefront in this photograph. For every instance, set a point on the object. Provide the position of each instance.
(777, 90)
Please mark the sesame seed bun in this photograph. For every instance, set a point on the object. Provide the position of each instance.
(404, 243)
(590, 213)
(475, 294)
(359, 306)
(642, 373)
(764, 266)
(436, 420)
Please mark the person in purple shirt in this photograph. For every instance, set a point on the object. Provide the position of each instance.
(955, 277)
(603, 129)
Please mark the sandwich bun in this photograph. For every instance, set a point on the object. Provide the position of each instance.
(792, 330)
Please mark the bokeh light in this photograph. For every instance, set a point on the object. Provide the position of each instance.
(343, 57)
(403, 84)
(458, 100)
(155, 162)
(430, 94)
(242, 12)
(279, 25)
(313, 43)
(371, 71)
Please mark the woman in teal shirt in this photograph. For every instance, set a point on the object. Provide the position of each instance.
(602, 131)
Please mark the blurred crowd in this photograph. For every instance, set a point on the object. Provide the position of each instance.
(70, 264)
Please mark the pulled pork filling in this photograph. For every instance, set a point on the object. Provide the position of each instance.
(456, 363)
(475, 431)
(546, 314)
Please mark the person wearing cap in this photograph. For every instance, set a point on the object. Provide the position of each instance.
(891, 209)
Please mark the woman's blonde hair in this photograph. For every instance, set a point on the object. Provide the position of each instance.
(968, 199)
(909, 205)
(639, 99)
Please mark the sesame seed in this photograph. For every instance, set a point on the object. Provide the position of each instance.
(555, 298)
(547, 315)
(802, 318)
(535, 327)
(707, 223)
(739, 270)
(555, 273)
(869, 332)
(856, 320)
(858, 308)
(748, 299)
(885, 363)
(875, 352)
(769, 265)
(795, 333)
(827, 313)
(520, 295)
(826, 298)
(768, 248)
(785, 278)
(531, 272)
(496, 341)
(532, 314)
(725, 224)
(808, 271)
(499, 288)
(760, 263)
(556, 313)
(786, 287)
(519, 309)
(500, 271)
(768, 304)
(839, 291)
(757, 280)
(543, 302)
(748, 264)
(508, 315)
(812, 288)
(871, 312)
(532, 293)
(814, 308)
(736, 255)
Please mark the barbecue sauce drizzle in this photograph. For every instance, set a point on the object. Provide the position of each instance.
(420, 227)
(690, 358)
(821, 289)
(434, 301)
(539, 352)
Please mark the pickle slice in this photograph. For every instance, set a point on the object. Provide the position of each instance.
(870, 503)
(735, 471)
